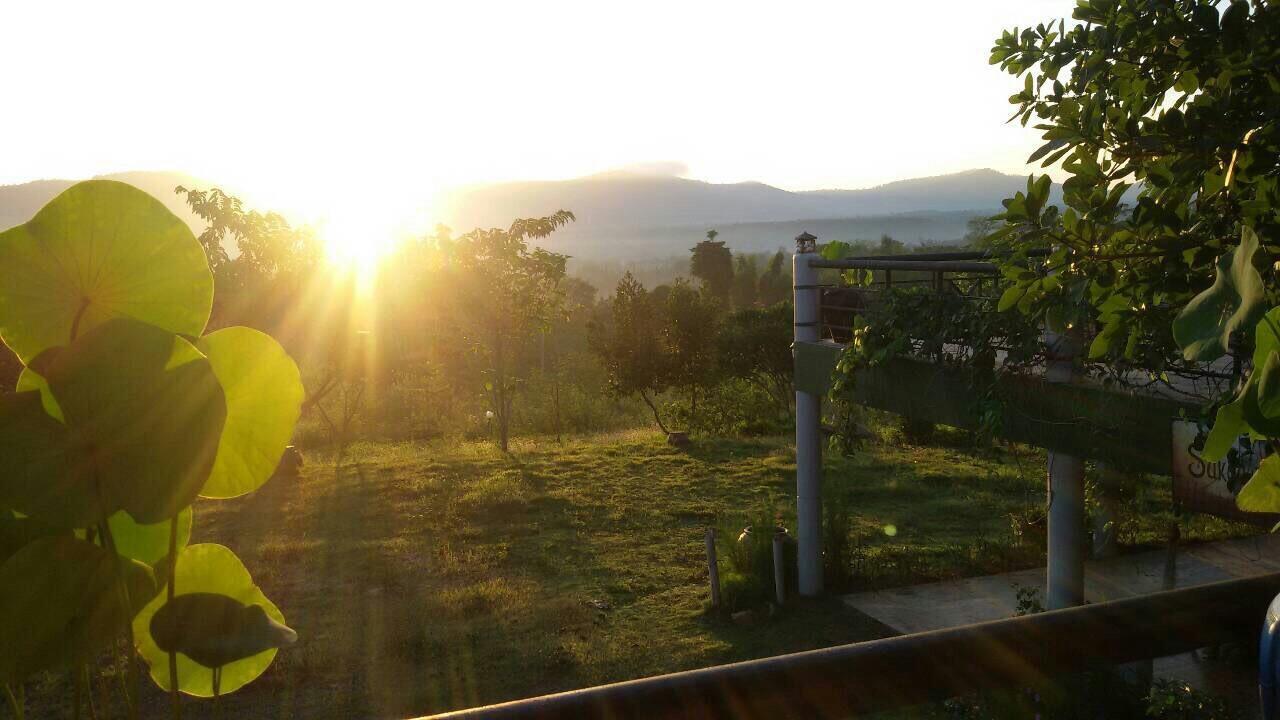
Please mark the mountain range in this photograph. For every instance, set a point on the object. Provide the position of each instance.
(632, 215)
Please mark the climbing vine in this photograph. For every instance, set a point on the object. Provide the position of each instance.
(124, 414)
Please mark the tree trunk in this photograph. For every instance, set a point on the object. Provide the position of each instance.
(500, 392)
(654, 408)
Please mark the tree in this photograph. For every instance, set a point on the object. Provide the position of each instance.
(978, 231)
(501, 294)
(275, 282)
(690, 335)
(631, 346)
(754, 344)
(273, 263)
(746, 278)
(775, 281)
(889, 246)
(1163, 117)
(712, 263)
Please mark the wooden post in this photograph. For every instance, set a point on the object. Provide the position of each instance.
(779, 568)
(713, 567)
(808, 424)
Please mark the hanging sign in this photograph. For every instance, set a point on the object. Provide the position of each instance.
(1210, 487)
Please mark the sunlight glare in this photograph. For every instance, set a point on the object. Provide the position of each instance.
(362, 233)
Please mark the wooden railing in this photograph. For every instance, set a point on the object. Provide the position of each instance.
(849, 680)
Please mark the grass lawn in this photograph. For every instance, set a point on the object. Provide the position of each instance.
(423, 578)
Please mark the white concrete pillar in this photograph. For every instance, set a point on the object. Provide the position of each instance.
(808, 425)
(1067, 544)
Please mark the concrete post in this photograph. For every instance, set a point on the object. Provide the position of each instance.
(1066, 497)
(808, 425)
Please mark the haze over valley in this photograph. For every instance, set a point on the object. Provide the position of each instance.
(633, 215)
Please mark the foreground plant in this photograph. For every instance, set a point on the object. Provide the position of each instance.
(1163, 116)
(123, 415)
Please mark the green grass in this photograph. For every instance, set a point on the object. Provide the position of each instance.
(423, 578)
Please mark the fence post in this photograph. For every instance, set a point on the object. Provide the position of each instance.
(1066, 496)
(713, 568)
(808, 424)
(779, 568)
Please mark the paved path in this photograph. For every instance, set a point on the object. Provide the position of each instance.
(947, 604)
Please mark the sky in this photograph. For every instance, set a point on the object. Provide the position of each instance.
(371, 104)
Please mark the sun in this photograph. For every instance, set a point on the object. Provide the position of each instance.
(360, 236)
(357, 242)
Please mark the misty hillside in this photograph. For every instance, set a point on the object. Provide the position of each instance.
(19, 202)
(625, 214)
(634, 215)
(622, 199)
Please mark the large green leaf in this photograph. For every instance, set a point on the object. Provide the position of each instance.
(64, 601)
(143, 413)
(1262, 492)
(1234, 301)
(100, 250)
(1266, 337)
(206, 568)
(147, 543)
(216, 630)
(1260, 399)
(1228, 424)
(39, 474)
(19, 532)
(264, 398)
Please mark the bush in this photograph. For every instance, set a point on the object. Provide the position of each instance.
(1173, 700)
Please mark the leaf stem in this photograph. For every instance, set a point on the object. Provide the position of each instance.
(173, 579)
(126, 604)
(75, 322)
(16, 701)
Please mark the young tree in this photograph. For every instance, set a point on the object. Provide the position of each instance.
(754, 344)
(746, 278)
(631, 346)
(502, 293)
(889, 246)
(712, 263)
(978, 231)
(690, 334)
(775, 281)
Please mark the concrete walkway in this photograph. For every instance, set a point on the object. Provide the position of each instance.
(960, 602)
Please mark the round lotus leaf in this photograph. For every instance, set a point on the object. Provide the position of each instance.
(100, 250)
(147, 543)
(216, 630)
(206, 569)
(39, 474)
(145, 413)
(18, 532)
(62, 604)
(264, 399)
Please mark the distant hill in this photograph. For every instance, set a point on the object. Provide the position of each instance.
(634, 215)
(19, 202)
(624, 215)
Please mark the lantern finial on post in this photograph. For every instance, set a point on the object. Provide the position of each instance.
(806, 243)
